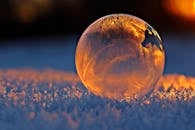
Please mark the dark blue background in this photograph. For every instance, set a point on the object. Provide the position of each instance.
(58, 53)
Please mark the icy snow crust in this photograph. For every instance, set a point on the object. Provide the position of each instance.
(54, 100)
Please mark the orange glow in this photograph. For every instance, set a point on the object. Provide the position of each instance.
(176, 81)
(194, 5)
(26, 12)
(182, 8)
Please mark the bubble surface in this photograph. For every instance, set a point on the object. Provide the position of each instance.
(120, 56)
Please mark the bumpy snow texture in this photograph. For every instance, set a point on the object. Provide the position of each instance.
(54, 100)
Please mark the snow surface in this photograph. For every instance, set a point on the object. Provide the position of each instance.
(53, 100)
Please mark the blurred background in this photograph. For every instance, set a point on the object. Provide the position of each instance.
(43, 33)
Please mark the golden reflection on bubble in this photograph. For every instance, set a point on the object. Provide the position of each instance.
(120, 56)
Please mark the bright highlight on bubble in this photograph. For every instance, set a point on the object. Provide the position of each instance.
(120, 56)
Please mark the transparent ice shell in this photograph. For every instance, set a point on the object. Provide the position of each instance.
(120, 56)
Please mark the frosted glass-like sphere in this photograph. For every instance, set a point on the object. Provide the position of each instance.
(120, 56)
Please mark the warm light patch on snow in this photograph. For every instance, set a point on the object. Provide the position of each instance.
(177, 81)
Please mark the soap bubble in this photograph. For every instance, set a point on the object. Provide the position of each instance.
(120, 56)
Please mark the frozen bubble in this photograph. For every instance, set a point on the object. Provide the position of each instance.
(120, 56)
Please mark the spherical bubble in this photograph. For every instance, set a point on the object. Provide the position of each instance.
(120, 56)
